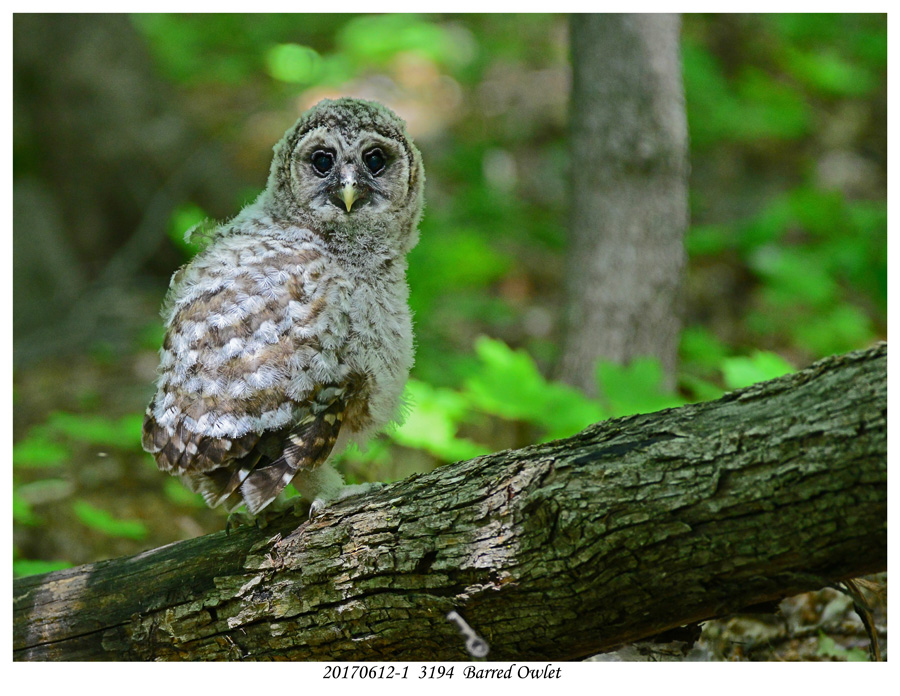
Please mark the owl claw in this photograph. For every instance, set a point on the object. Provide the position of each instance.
(316, 508)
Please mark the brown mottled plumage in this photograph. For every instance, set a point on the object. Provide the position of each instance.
(290, 332)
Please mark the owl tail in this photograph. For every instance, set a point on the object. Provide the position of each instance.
(307, 446)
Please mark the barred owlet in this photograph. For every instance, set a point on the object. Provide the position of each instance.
(290, 334)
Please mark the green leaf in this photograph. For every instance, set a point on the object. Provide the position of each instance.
(189, 228)
(830, 73)
(376, 39)
(837, 330)
(761, 365)
(123, 433)
(794, 276)
(709, 240)
(293, 63)
(38, 450)
(22, 512)
(701, 347)
(178, 494)
(432, 423)
(101, 521)
(507, 383)
(634, 388)
(829, 648)
(23, 567)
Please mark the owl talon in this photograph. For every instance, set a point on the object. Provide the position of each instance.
(316, 508)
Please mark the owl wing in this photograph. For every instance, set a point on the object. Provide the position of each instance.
(254, 474)
(248, 396)
(305, 446)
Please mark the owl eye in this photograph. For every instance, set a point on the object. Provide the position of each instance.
(375, 161)
(322, 162)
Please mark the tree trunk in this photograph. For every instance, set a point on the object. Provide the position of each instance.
(556, 551)
(629, 194)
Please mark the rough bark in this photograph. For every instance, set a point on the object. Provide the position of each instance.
(629, 193)
(556, 551)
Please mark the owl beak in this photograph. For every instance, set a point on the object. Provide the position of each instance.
(349, 194)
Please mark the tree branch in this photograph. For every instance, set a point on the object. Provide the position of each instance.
(555, 551)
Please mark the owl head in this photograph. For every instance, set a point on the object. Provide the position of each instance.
(348, 171)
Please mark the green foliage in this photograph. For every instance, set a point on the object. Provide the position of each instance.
(816, 255)
(293, 63)
(829, 648)
(178, 494)
(123, 433)
(761, 365)
(432, 423)
(50, 443)
(835, 330)
(101, 521)
(235, 49)
(789, 89)
(38, 450)
(187, 224)
(634, 388)
(767, 97)
(507, 383)
(22, 512)
(749, 107)
(23, 567)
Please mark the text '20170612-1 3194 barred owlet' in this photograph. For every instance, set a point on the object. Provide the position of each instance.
(289, 334)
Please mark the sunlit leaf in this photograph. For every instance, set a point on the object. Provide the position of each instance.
(432, 421)
(293, 63)
(378, 38)
(38, 450)
(700, 346)
(634, 388)
(103, 522)
(793, 276)
(507, 383)
(759, 366)
(188, 228)
(837, 330)
(829, 72)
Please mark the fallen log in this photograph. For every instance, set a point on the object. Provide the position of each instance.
(553, 552)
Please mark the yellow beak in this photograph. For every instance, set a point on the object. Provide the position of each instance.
(349, 194)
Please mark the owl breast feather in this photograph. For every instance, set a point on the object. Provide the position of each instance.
(255, 327)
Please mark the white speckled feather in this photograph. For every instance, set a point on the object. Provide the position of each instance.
(290, 331)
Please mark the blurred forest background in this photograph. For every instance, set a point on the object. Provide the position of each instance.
(128, 130)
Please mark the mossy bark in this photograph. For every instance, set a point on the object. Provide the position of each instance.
(556, 551)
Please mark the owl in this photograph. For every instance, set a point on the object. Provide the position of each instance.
(290, 334)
